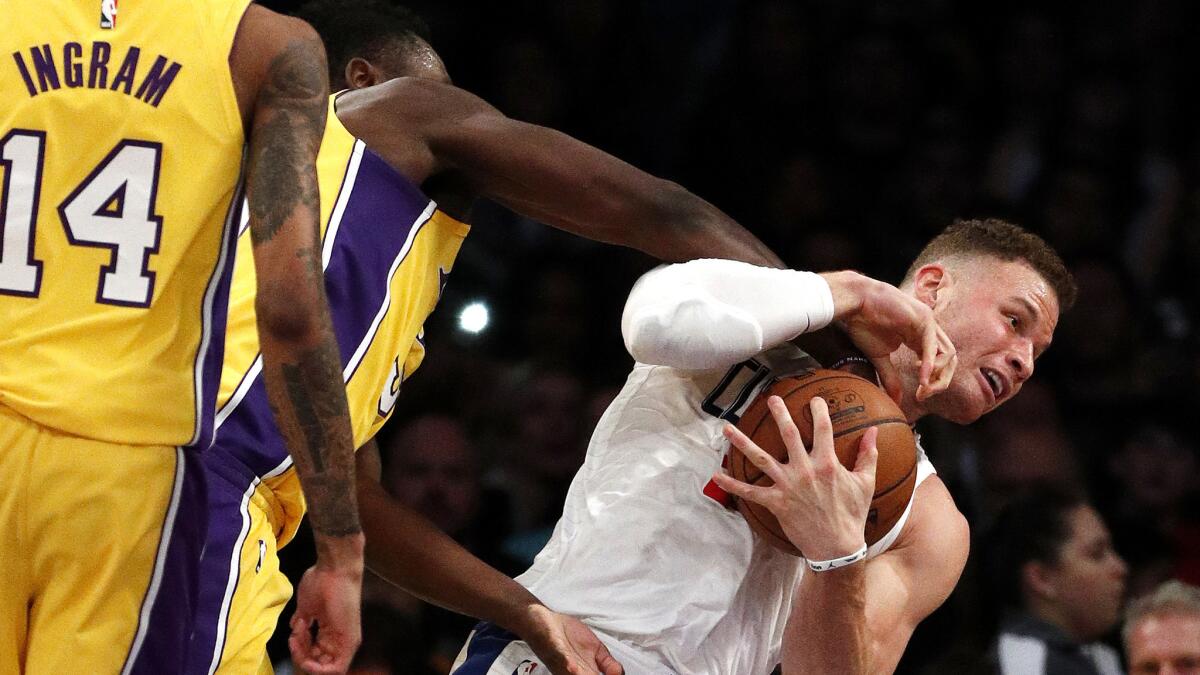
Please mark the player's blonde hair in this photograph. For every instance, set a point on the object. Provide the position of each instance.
(1173, 597)
(1005, 241)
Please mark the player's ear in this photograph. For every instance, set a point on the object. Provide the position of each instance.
(361, 74)
(928, 281)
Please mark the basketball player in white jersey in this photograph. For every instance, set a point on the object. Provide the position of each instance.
(673, 581)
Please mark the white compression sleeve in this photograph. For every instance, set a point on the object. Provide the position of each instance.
(713, 313)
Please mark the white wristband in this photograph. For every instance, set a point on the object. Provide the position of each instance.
(826, 565)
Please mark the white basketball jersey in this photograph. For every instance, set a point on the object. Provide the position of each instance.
(671, 580)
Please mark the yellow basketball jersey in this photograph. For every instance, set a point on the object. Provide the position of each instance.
(120, 150)
(386, 250)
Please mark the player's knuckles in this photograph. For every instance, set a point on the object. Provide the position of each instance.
(798, 474)
(824, 470)
(792, 438)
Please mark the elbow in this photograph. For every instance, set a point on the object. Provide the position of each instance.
(648, 341)
(288, 319)
(687, 338)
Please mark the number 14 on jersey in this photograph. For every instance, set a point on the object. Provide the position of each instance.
(112, 208)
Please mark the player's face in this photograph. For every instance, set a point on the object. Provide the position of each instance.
(1001, 316)
(1165, 644)
(1088, 581)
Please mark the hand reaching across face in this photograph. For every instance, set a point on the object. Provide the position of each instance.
(879, 317)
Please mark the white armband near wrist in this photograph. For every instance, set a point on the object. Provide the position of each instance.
(826, 565)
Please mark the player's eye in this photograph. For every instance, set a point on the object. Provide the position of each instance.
(1014, 321)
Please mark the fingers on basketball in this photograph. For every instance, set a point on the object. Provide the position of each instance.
(788, 432)
(860, 405)
(868, 454)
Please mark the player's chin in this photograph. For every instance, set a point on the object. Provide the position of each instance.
(960, 409)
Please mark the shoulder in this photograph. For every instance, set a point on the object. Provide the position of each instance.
(263, 34)
(413, 100)
(271, 49)
(931, 552)
(935, 526)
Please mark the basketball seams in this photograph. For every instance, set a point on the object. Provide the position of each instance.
(749, 469)
(872, 423)
(761, 401)
(893, 486)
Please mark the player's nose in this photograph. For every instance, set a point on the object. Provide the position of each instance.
(1020, 361)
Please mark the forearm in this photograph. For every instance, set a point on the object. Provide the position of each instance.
(301, 364)
(559, 180)
(409, 551)
(678, 226)
(308, 399)
(604, 198)
(827, 631)
(712, 313)
(303, 376)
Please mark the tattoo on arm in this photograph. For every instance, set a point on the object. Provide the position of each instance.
(303, 373)
(310, 421)
(313, 426)
(288, 122)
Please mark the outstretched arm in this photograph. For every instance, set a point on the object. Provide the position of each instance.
(279, 68)
(550, 176)
(713, 313)
(406, 549)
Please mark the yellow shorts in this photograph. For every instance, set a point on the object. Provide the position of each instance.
(242, 590)
(99, 552)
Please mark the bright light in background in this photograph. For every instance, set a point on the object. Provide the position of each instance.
(473, 318)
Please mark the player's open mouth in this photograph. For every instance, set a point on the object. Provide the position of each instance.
(995, 383)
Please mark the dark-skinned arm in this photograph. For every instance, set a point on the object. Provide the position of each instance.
(549, 176)
(409, 551)
(280, 73)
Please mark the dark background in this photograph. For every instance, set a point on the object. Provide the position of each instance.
(844, 133)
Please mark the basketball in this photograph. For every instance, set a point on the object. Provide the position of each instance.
(855, 405)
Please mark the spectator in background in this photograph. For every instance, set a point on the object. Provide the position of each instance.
(1020, 456)
(1062, 583)
(431, 465)
(545, 446)
(1162, 632)
(1155, 510)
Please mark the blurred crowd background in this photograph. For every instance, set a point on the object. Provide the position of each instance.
(844, 133)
